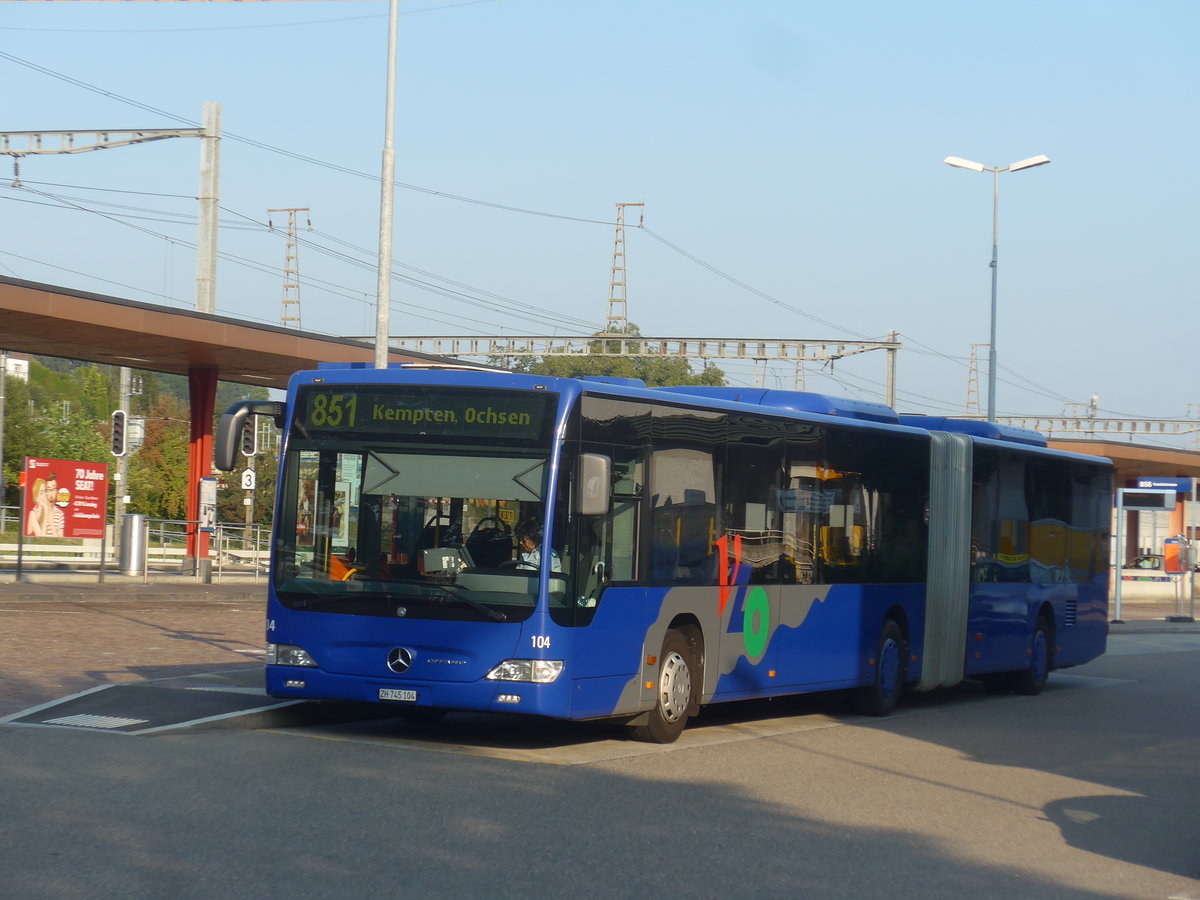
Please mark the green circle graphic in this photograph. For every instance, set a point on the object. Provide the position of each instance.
(755, 629)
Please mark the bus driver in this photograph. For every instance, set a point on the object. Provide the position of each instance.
(529, 547)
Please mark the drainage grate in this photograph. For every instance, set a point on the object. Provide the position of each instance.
(90, 721)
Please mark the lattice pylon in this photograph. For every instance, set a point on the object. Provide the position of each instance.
(289, 310)
(618, 313)
(972, 407)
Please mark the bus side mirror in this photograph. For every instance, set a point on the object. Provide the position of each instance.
(593, 495)
(229, 430)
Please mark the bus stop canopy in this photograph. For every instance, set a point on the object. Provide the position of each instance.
(55, 321)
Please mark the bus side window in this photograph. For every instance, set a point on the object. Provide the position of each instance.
(607, 550)
(685, 515)
(606, 543)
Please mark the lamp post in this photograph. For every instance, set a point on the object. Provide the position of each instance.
(961, 163)
(387, 212)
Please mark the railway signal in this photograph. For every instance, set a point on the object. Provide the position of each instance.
(120, 419)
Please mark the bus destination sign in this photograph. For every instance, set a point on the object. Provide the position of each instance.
(425, 411)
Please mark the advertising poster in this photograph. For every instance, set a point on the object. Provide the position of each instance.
(208, 504)
(340, 518)
(64, 498)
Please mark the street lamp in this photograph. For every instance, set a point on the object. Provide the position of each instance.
(959, 162)
(387, 208)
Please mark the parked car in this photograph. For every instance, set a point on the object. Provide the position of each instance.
(1152, 562)
(1147, 561)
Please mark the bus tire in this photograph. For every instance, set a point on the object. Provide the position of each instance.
(675, 692)
(891, 655)
(1032, 679)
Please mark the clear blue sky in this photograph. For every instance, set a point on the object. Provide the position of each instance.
(794, 147)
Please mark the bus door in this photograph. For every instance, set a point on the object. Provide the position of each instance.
(606, 608)
(748, 599)
(751, 550)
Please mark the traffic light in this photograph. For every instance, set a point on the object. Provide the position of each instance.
(119, 421)
(250, 437)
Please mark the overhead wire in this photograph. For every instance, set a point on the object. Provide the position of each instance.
(444, 195)
(744, 286)
(524, 312)
(367, 264)
(194, 28)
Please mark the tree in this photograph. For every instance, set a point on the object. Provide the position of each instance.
(97, 392)
(20, 436)
(63, 412)
(73, 434)
(231, 508)
(53, 382)
(158, 471)
(655, 371)
(51, 417)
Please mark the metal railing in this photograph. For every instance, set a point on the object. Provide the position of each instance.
(234, 549)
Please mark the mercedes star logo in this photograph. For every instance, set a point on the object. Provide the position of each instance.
(399, 659)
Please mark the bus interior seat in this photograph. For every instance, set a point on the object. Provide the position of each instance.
(489, 547)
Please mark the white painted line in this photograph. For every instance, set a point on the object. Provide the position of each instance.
(230, 715)
(51, 703)
(47, 612)
(84, 720)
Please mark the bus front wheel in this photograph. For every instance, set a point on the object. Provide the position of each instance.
(675, 692)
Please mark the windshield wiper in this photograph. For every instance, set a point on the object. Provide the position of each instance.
(496, 615)
(312, 600)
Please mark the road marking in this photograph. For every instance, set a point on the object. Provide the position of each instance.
(156, 704)
(84, 720)
(47, 612)
(514, 738)
(1156, 642)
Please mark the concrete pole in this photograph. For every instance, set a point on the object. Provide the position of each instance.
(122, 461)
(991, 407)
(1120, 557)
(206, 240)
(891, 370)
(386, 202)
(3, 483)
(248, 499)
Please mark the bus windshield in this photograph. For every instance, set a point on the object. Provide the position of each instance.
(412, 528)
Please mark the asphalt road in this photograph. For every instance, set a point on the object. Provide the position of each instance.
(1091, 790)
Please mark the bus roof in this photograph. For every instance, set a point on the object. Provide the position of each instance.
(800, 401)
(977, 428)
(795, 401)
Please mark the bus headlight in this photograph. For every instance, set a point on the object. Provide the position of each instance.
(288, 655)
(537, 671)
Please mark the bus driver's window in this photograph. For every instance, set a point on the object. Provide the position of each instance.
(607, 545)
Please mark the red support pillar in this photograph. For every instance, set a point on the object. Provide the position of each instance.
(202, 397)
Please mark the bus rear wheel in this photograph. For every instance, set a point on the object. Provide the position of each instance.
(891, 657)
(675, 692)
(1032, 679)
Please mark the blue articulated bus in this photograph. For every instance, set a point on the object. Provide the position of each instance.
(456, 539)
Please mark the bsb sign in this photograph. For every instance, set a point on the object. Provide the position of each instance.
(64, 498)
(1178, 485)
